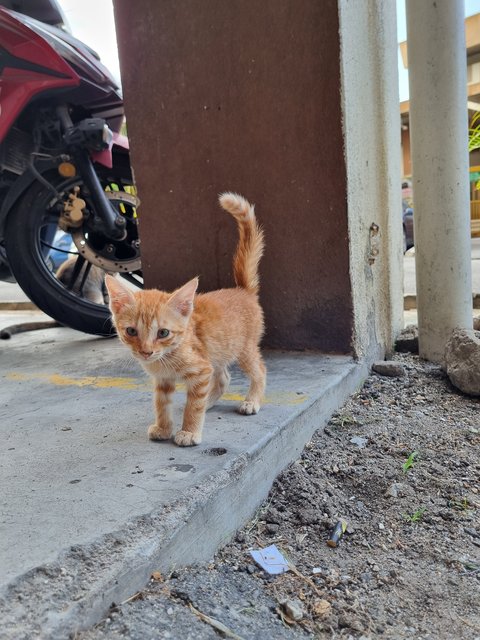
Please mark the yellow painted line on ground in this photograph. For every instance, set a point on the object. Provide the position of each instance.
(99, 382)
(133, 384)
(277, 397)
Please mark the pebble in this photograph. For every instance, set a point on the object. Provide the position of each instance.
(321, 608)
(348, 622)
(462, 358)
(389, 368)
(359, 441)
(308, 516)
(272, 528)
(394, 490)
(293, 609)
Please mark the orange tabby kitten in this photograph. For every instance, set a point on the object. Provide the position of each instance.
(194, 338)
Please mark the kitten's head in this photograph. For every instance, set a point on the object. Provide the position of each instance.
(151, 323)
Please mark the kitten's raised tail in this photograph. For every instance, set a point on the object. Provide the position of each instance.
(250, 245)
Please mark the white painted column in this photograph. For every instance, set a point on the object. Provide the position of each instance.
(438, 131)
(371, 121)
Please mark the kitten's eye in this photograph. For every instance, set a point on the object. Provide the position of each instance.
(163, 333)
(131, 331)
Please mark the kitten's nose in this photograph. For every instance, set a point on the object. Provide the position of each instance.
(146, 354)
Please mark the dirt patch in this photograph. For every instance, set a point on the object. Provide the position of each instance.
(400, 464)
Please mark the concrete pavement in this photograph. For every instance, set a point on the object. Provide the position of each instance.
(12, 298)
(90, 507)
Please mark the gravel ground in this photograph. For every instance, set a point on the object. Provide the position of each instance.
(408, 565)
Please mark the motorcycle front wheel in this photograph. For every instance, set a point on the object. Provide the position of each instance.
(62, 269)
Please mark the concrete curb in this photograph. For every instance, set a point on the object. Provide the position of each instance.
(410, 301)
(18, 306)
(76, 591)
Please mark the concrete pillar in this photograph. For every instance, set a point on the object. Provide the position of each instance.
(371, 122)
(438, 124)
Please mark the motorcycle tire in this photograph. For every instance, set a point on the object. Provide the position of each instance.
(34, 275)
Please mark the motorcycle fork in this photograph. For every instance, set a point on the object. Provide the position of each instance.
(112, 223)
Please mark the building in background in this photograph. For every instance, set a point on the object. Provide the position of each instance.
(472, 36)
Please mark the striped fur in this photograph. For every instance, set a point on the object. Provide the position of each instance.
(206, 334)
(251, 244)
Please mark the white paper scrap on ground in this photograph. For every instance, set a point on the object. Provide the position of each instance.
(270, 559)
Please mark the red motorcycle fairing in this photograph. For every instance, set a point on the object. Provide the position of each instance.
(94, 91)
(28, 66)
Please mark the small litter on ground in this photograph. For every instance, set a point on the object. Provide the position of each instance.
(270, 560)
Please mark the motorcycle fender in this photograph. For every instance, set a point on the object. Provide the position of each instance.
(106, 157)
(18, 188)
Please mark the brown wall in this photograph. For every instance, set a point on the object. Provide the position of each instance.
(242, 95)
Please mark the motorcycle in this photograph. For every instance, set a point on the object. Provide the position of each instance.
(66, 185)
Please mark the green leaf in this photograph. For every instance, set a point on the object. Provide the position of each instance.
(410, 461)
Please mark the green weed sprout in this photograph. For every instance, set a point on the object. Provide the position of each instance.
(410, 461)
(415, 517)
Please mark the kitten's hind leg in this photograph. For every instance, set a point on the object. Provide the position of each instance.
(252, 364)
(162, 429)
(219, 384)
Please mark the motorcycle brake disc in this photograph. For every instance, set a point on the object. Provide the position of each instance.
(107, 259)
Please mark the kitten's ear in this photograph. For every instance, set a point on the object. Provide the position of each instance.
(182, 299)
(118, 294)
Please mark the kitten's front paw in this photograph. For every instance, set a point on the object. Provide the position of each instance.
(248, 408)
(186, 439)
(156, 432)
